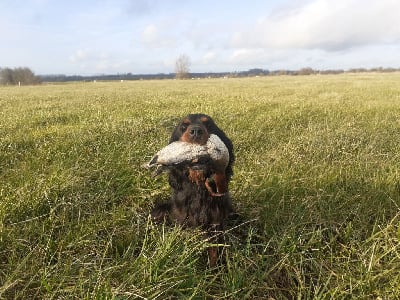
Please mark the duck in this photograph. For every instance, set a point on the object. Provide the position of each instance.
(181, 153)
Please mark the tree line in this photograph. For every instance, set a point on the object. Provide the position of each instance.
(194, 75)
(18, 76)
(24, 76)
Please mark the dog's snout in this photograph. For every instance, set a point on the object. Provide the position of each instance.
(196, 131)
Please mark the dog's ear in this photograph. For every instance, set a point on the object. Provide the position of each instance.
(177, 133)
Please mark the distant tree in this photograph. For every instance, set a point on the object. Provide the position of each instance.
(387, 70)
(6, 76)
(338, 71)
(18, 76)
(182, 67)
(306, 71)
(281, 72)
(357, 70)
(24, 76)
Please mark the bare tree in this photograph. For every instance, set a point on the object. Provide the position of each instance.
(6, 76)
(182, 66)
(18, 76)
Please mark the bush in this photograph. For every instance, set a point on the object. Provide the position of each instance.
(18, 76)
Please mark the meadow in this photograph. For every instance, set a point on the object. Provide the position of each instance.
(316, 183)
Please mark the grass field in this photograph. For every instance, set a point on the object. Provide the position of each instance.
(317, 181)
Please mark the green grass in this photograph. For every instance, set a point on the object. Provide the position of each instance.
(316, 179)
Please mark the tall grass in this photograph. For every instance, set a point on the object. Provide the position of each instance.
(316, 181)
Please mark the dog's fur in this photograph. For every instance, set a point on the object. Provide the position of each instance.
(192, 202)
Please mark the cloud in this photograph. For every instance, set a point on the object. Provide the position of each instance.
(327, 25)
(150, 34)
(80, 55)
(88, 59)
(154, 37)
(139, 8)
(275, 59)
(266, 58)
(209, 57)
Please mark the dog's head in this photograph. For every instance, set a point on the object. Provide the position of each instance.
(196, 128)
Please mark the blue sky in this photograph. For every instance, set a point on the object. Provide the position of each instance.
(146, 36)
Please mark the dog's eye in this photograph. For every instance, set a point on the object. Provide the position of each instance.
(184, 125)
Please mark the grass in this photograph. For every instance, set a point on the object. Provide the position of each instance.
(316, 179)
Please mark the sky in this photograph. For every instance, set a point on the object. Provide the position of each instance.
(91, 37)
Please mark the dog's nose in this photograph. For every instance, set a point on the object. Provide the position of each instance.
(196, 131)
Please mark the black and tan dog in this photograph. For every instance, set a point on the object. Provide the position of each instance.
(199, 195)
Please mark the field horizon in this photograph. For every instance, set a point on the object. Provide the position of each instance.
(316, 184)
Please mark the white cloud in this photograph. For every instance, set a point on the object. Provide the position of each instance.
(327, 25)
(146, 36)
(88, 59)
(80, 55)
(157, 37)
(209, 57)
(150, 34)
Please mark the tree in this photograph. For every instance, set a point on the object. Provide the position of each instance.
(182, 66)
(18, 76)
(6, 76)
(306, 71)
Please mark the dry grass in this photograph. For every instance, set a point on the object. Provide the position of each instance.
(316, 180)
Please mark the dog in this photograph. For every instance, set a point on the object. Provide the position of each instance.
(199, 193)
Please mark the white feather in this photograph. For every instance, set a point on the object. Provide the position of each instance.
(180, 152)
